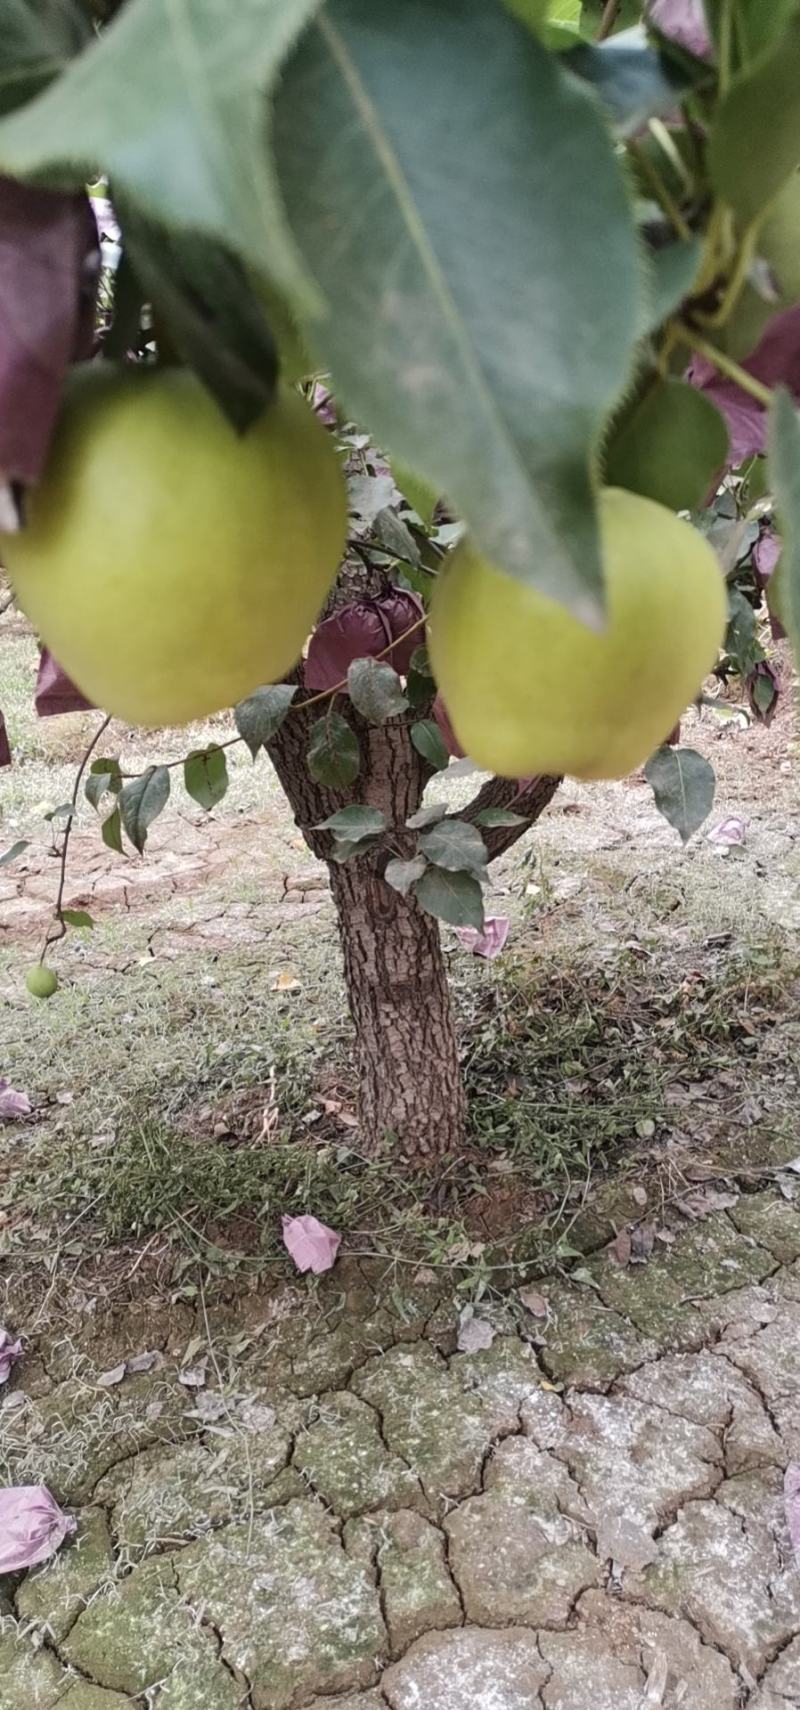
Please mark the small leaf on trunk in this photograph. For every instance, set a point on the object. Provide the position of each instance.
(493, 817)
(454, 897)
(112, 832)
(396, 536)
(76, 917)
(401, 875)
(429, 742)
(262, 714)
(420, 682)
(683, 784)
(205, 776)
(141, 801)
(353, 823)
(334, 757)
(375, 690)
(346, 848)
(455, 845)
(429, 814)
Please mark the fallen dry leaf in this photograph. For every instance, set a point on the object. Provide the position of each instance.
(642, 1238)
(13, 1104)
(10, 1352)
(108, 1380)
(620, 1248)
(285, 982)
(311, 1244)
(474, 1334)
(535, 1303)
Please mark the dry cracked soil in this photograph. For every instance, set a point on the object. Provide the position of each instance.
(585, 1515)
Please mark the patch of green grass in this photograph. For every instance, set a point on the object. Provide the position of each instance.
(569, 1074)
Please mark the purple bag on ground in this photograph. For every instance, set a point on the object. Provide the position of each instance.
(5, 750)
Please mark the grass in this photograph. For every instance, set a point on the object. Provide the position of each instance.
(178, 1094)
(569, 1074)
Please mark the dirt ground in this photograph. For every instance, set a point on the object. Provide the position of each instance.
(524, 1448)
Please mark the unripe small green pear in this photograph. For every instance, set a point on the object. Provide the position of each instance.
(41, 982)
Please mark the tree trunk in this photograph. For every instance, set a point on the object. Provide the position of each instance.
(410, 1085)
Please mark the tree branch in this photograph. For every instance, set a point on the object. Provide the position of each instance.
(528, 797)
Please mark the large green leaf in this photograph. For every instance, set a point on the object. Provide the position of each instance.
(38, 39)
(141, 801)
(375, 690)
(683, 785)
(334, 757)
(205, 776)
(455, 845)
(755, 139)
(171, 103)
(262, 714)
(457, 197)
(454, 897)
(784, 466)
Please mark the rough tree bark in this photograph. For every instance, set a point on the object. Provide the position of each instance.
(411, 1091)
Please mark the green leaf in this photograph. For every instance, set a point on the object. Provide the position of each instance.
(76, 917)
(683, 785)
(15, 851)
(420, 682)
(334, 757)
(375, 690)
(344, 849)
(262, 714)
(741, 640)
(213, 318)
(111, 832)
(351, 824)
(456, 845)
(63, 811)
(205, 775)
(104, 775)
(492, 817)
(755, 136)
(670, 446)
(396, 536)
(401, 875)
(427, 815)
(784, 469)
(454, 897)
(38, 41)
(429, 742)
(633, 80)
(171, 103)
(141, 801)
(506, 217)
(415, 489)
(673, 270)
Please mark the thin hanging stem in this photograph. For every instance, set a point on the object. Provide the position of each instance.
(54, 936)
